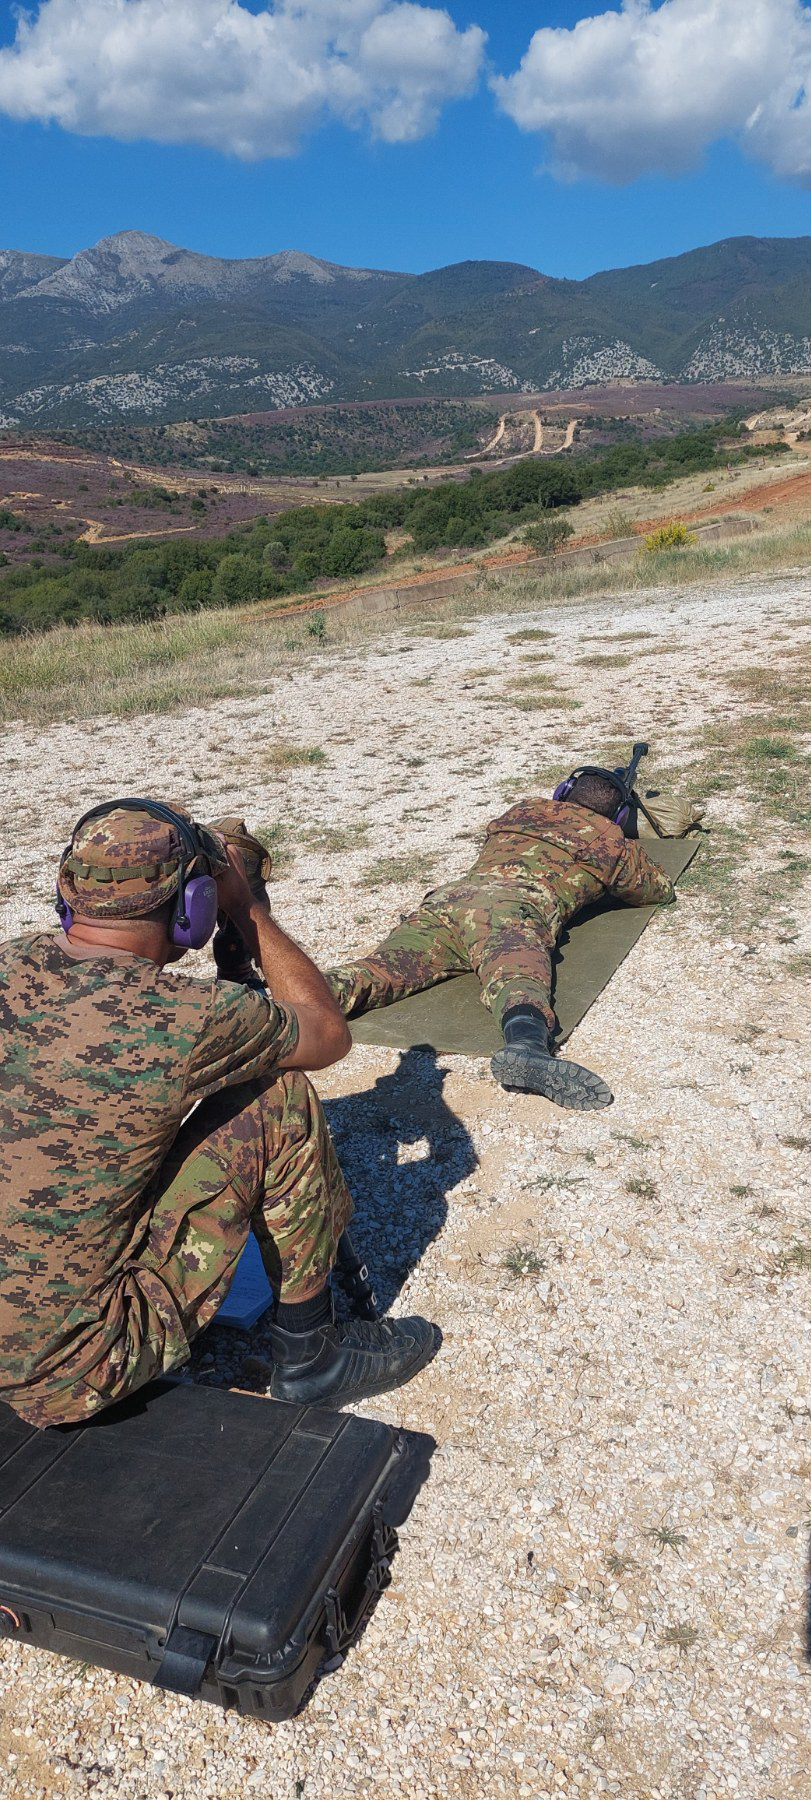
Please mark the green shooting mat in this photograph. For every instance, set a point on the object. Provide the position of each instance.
(450, 1018)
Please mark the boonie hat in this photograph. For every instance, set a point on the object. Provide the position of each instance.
(125, 864)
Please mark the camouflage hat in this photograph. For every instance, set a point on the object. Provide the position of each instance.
(126, 863)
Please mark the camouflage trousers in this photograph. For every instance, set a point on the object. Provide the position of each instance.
(498, 932)
(259, 1158)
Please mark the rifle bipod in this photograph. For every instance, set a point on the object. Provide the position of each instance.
(354, 1279)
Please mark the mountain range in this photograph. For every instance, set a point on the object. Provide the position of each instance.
(137, 329)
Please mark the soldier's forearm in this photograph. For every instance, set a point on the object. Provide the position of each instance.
(292, 975)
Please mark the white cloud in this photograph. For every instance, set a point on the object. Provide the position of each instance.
(648, 88)
(211, 72)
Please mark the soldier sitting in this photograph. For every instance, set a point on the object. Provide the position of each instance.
(148, 1123)
(541, 863)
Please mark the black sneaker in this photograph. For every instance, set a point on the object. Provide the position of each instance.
(527, 1065)
(349, 1359)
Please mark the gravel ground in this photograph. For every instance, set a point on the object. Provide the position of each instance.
(603, 1589)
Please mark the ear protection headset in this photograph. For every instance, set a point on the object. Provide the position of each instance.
(194, 915)
(621, 779)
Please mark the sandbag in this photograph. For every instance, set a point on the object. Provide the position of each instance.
(667, 815)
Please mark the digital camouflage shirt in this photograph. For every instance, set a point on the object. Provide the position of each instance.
(103, 1057)
(564, 856)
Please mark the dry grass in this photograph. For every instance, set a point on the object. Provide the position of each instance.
(440, 628)
(87, 671)
(294, 756)
(278, 840)
(336, 840)
(599, 661)
(395, 869)
(545, 702)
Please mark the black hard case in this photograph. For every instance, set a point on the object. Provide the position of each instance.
(215, 1543)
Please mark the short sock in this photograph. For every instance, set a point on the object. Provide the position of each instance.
(306, 1315)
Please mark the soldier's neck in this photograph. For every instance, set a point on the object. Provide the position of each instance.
(143, 938)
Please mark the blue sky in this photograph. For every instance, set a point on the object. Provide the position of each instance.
(494, 177)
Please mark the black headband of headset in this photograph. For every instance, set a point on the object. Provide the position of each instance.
(621, 779)
(616, 780)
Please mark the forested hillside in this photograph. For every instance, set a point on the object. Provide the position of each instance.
(137, 329)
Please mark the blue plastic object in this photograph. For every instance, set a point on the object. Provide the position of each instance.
(250, 1293)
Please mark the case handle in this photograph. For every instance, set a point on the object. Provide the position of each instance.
(185, 1659)
(342, 1628)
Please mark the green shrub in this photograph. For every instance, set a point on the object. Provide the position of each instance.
(196, 590)
(236, 581)
(548, 533)
(674, 536)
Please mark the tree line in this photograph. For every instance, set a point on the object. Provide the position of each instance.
(289, 554)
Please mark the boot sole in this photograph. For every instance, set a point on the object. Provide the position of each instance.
(368, 1389)
(564, 1083)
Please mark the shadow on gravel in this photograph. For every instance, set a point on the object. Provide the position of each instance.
(402, 1149)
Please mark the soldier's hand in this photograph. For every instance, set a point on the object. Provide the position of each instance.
(234, 894)
(256, 858)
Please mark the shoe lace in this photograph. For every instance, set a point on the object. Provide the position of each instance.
(364, 1334)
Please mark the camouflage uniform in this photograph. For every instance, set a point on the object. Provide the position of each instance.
(121, 1225)
(541, 863)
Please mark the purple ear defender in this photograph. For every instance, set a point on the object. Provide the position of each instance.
(196, 916)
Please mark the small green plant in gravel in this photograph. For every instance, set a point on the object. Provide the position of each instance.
(602, 660)
(770, 750)
(532, 683)
(294, 756)
(797, 1256)
(740, 1189)
(666, 1537)
(530, 636)
(541, 1183)
(642, 1187)
(317, 626)
(634, 1143)
(546, 702)
(679, 1637)
(522, 1261)
(619, 1564)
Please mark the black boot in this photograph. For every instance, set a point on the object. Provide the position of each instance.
(349, 1359)
(353, 1276)
(527, 1063)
